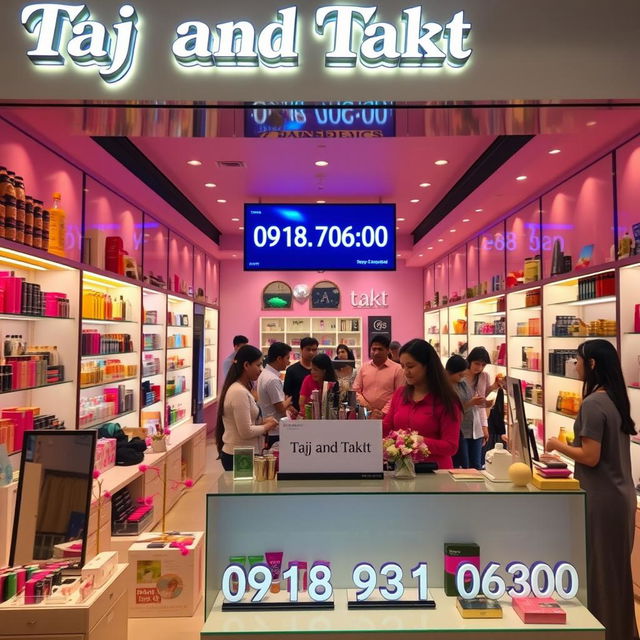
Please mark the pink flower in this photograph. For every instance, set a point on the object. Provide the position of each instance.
(142, 468)
(96, 474)
(188, 483)
(107, 494)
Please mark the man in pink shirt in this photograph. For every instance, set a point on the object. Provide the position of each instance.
(377, 379)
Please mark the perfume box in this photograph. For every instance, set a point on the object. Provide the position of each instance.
(539, 611)
(456, 554)
(479, 607)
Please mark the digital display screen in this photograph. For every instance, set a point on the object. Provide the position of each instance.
(373, 119)
(318, 237)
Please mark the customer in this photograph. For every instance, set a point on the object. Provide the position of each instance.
(601, 450)
(346, 373)
(238, 341)
(427, 403)
(468, 454)
(479, 382)
(297, 372)
(377, 379)
(321, 372)
(239, 422)
(394, 351)
(271, 398)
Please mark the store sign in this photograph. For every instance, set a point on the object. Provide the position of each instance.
(370, 299)
(330, 448)
(241, 43)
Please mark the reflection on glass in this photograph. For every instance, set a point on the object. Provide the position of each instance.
(54, 499)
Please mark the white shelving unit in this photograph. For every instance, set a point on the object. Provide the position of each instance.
(154, 305)
(179, 356)
(329, 331)
(483, 314)
(210, 355)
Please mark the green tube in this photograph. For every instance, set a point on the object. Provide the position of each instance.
(253, 560)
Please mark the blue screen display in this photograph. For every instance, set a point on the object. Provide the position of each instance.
(318, 237)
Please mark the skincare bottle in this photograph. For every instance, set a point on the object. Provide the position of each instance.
(56, 227)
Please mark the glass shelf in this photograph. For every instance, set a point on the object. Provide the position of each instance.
(488, 313)
(529, 370)
(557, 375)
(188, 366)
(175, 395)
(173, 348)
(153, 404)
(632, 386)
(580, 303)
(152, 324)
(39, 386)
(173, 425)
(22, 316)
(98, 321)
(487, 335)
(529, 335)
(151, 375)
(153, 349)
(533, 404)
(101, 421)
(582, 337)
(179, 326)
(102, 355)
(102, 384)
(535, 307)
(564, 415)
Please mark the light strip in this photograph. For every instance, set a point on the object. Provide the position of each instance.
(103, 281)
(576, 278)
(36, 260)
(176, 299)
(582, 303)
(456, 306)
(23, 265)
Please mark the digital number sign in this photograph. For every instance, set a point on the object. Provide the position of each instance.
(316, 237)
(328, 120)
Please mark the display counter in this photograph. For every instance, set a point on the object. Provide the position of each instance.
(406, 522)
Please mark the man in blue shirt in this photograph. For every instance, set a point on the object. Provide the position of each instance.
(238, 341)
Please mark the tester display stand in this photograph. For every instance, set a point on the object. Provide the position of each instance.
(380, 521)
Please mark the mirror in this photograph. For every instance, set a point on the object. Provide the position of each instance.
(54, 496)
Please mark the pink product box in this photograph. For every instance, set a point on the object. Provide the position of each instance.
(105, 454)
(52, 303)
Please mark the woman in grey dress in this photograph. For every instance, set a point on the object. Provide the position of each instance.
(603, 467)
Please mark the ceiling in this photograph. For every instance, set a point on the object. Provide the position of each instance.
(366, 170)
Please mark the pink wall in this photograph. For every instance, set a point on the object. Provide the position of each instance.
(522, 239)
(45, 173)
(628, 169)
(241, 299)
(212, 280)
(473, 264)
(156, 241)
(180, 264)
(492, 245)
(429, 284)
(458, 273)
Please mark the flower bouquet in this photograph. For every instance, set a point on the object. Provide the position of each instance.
(404, 448)
(159, 439)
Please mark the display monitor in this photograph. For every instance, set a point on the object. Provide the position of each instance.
(523, 446)
(318, 237)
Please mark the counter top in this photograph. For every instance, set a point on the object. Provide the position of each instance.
(439, 482)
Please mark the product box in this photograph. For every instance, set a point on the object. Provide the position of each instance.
(100, 568)
(162, 581)
(539, 610)
(455, 554)
(479, 607)
(105, 454)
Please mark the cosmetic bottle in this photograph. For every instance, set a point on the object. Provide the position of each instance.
(20, 209)
(56, 227)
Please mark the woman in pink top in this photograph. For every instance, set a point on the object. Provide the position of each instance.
(321, 371)
(427, 404)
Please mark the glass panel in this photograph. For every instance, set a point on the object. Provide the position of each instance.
(492, 247)
(458, 274)
(523, 246)
(473, 266)
(441, 294)
(628, 168)
(212, 280)
(180, 265)
(429, 286)
(577, 221)
(199, 274)
(155, 263)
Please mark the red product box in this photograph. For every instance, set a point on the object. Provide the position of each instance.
(539, 611)
(105, 454)
(22, 421)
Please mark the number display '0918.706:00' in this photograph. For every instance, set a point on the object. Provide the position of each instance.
(319, 236)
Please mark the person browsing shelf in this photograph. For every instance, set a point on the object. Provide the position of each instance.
(271, 398)
(297, 372)
(468, 454)
(427, 403)
(239, 422)
(321, 371)
(238, 341)
(346, 373)
(394, 351)
(601, 450)
(377, 380)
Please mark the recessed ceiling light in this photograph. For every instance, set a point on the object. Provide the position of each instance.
(452, 230)
(321, 163)
(441, 163)
(398, 255)
(209, 185)
(415, 200)
(321, 201)
(479, 210)
(429, 248)
(466, 219)
(194, 163)
(235, 219)
(424, 185)
(440, 240)
(397, 228)
(553, 152)
(401, 219)
(240, 228)
(591, 123)
(420, 255)
(221, 201)
(521, 178)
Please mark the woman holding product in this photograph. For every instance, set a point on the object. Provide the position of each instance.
(346, 373)
(239, 421)
(321, 371)
(601, 450)
(478, 380)
(456, 368)
(427, 403)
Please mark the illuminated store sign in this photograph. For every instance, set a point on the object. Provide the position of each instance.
(353, 37)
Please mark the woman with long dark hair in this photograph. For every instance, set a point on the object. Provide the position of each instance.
(321, 371)
(239, 421)
(601, 450)
(427, 403)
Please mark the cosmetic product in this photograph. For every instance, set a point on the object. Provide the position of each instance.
(271, 467)
(479, 607)
(254, 560)
(86, 587)
(241, 560)
(302, 573)
(539, 610)
(274, 561)
(100, 567)
(260, 465)
(10, 585)
(456, 554)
